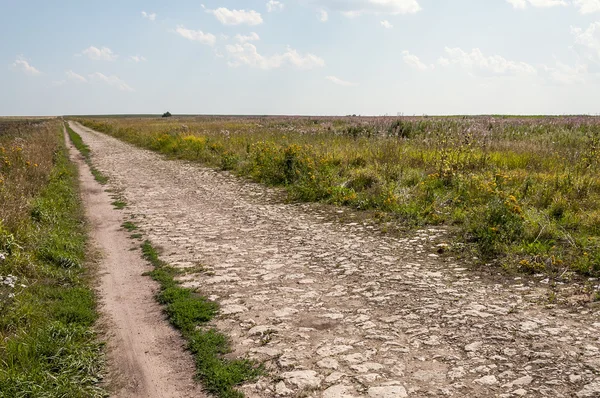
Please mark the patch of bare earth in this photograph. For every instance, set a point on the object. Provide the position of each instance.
(146, 356)
(340, 310)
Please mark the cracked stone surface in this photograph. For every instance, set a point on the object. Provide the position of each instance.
(338, 309)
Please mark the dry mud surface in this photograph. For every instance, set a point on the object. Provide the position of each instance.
(337, 309)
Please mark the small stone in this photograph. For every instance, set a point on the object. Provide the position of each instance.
(303, 378)
(387, 392)
(473, 346)
(522, 381)
(334, 377)
(328, 363)
(520, 392)
(260, 330)
(281, 389)
(329, 350)
(233, 309)
(339, 391)
(591, 390)
(456, 373)
(574, 378)
(489, 380)
(365, 367)
(285, 312)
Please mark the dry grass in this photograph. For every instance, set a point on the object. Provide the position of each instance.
(524, 192)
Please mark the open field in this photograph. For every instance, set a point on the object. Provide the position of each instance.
(333, 305)
(523, 193)
(47, 310)
(411, 257)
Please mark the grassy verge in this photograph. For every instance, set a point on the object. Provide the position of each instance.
(48, 347)
(87, 154)
(521, 192)
(190, 312)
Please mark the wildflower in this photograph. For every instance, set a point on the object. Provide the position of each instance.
(2, 255)
(8, 281)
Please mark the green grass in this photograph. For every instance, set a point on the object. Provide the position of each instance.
(48, 347)
(87, 154)
(129, 226)
(523, 193)
(119, 204)
(189, 312)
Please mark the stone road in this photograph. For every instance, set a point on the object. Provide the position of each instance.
(339, 309)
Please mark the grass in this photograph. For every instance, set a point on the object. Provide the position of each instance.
(519, 192)
(87, 154)
(129, 226)
(48, 347)
(190, 312)
(119, 204)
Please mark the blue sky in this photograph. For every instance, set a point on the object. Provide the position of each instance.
(319, 57)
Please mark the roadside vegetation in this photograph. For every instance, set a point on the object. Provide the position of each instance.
(189, 312)
(520, 192)
(86, 153)
(48, 347)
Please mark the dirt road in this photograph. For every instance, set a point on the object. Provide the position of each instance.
(146, 356)
(341, 310)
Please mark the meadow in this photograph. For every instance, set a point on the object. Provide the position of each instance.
(48, 346)
(519, 192)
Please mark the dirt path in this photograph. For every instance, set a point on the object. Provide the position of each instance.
(146, 356)
(340, 310)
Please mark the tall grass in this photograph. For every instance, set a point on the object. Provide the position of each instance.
(522, 191)
(47, 344)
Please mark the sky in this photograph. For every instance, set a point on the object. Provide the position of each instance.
(300, 57)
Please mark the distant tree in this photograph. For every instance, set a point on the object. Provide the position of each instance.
(167, 114)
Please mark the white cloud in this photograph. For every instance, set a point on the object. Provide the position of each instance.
(236, 17)
(588, 40)
(149, 16)
(111, 81)
(565, 74)
(518, 3)
(537, 3)
(247, 54)
(587, 6)
(414, 61)
(386, 24)
(99, 54)
(340, 82)
(355, 8)
(23, 64)
(75, 77)
(196, 35)
(323, 16)
(274, 5)
(476, 61)
(253, 36)
(443, 61)
(137, 58)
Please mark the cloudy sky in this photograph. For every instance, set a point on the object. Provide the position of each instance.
(320, 57)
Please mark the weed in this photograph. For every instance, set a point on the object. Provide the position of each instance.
(516, 189)
(87, 154)
(190, 312)
(47, 310)
(129, 226)
(119, 204)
